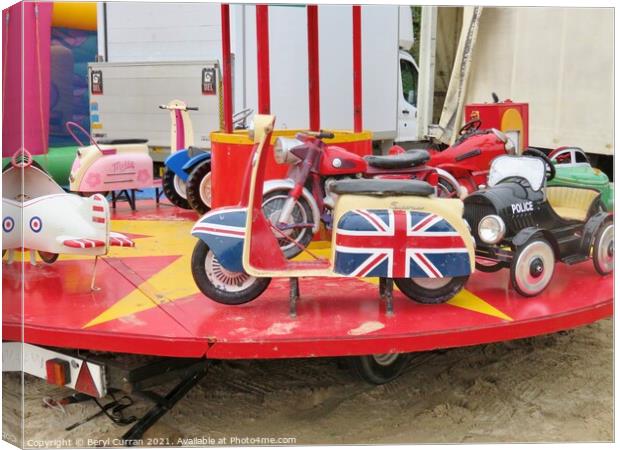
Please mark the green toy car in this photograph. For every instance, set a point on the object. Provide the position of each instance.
(573, 169)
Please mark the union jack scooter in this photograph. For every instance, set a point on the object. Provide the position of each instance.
(395, 230)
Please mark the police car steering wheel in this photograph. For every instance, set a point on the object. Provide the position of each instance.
(550, 170)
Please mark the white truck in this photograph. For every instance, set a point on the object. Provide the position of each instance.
(153, 52)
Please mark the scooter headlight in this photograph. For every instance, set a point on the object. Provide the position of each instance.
(491, 229)
(282, 150)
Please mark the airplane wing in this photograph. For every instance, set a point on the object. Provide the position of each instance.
(120, 240)
(75, 242)
(116, 239)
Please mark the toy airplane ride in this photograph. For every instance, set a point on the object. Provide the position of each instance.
(395, 230)
(54, 222)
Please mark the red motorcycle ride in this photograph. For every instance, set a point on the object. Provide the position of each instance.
(297, 205)
(468, 160)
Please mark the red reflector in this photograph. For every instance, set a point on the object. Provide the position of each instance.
(85, 382)
(97, 208)
(99, 219)
(58, 371)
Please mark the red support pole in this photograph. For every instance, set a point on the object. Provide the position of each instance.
(314, 92)
(262, 55)
(357, 68)
(226, 69)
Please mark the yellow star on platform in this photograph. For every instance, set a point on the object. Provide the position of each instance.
(174, 281)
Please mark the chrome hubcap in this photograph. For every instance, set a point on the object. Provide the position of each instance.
(205, 190)
(224, 279)
(534, 267)
(180, 187)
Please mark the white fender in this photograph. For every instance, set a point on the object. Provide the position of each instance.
(288, 184)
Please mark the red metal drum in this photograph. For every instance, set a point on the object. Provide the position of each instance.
(510, 117)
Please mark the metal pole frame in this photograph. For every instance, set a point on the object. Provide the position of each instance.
(262, 55)
(357, 68)
(226, 69)
(314, 91)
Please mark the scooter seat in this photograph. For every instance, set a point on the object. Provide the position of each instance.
(195, 151)
(383, 188)
(121, 141)
(400, 161)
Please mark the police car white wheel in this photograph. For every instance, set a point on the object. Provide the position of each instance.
(532, 267)
(180, 186)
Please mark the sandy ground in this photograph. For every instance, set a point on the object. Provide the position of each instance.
(547, 389)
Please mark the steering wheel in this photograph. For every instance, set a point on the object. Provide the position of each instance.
(470, 127)
(550, 171)
(21, 158)
(240, 117)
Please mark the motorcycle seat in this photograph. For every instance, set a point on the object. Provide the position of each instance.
(383, 188)
(195, 151)
(121, 141)
(401, 161)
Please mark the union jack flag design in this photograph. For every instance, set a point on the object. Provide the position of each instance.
(223, 230)
(399, 244)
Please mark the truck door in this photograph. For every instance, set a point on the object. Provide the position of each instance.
(407, 99)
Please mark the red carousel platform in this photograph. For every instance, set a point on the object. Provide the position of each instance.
(148, 304)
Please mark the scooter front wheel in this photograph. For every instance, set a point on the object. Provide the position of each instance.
(222, 285)
(431, 290)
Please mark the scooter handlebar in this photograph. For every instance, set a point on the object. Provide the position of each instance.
(187, 108)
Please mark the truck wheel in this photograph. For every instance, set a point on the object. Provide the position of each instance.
(302, 213)
(603, 253)
(199, 188)
(431, 290)
(48, 257)
(221, 285)
(174, 189)
(532, 267)
(379, 369)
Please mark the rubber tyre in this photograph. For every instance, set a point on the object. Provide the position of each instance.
(599, 265)
(306, 236)
(514, 266)
(47, 257)
(167, 182)
(199, 257)
(193, 187)
(370, 370)
(428, 296)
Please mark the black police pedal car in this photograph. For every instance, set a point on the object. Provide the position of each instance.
(520, 223)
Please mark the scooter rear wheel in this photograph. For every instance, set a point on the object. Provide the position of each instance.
(431, 290)
(170, 183)
(222, 285)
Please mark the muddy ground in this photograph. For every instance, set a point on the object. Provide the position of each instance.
(552, 388)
